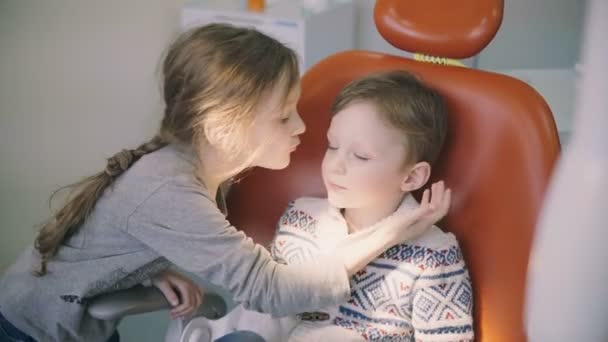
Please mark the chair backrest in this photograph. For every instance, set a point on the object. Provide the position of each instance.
(501, 148)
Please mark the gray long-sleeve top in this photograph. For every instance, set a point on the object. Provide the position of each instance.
(157, 214)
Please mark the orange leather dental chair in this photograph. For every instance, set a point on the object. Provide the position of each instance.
(501, 148)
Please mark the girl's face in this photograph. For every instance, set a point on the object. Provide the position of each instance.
(365, 161)
(276, 129)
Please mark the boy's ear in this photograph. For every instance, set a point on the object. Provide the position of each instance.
(418, 176)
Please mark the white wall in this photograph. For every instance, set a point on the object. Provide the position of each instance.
(78, 83)
(536, 34)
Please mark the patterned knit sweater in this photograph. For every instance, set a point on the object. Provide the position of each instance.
(415, 291)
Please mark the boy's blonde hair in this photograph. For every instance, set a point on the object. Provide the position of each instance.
(214, 77)
(405, 103)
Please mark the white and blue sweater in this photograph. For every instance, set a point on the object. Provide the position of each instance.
(415, 291)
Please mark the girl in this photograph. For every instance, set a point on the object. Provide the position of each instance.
(230, 103)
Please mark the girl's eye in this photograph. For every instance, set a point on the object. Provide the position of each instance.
(361, 157)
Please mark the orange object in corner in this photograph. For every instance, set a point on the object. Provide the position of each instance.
(256, 5)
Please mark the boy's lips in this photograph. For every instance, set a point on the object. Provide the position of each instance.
(335, 186)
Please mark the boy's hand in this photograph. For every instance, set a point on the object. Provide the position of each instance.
(182, 293)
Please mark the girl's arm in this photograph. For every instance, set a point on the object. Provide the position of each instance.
(179, 222)
(362, 247)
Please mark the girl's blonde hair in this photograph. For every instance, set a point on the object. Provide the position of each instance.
(214, 76)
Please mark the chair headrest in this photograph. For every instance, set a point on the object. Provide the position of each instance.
(454, 29)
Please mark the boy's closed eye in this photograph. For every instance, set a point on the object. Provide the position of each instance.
(361, 157)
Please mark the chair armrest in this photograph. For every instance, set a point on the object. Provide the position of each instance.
(140, 299)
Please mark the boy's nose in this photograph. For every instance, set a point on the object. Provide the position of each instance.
(337, 166)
